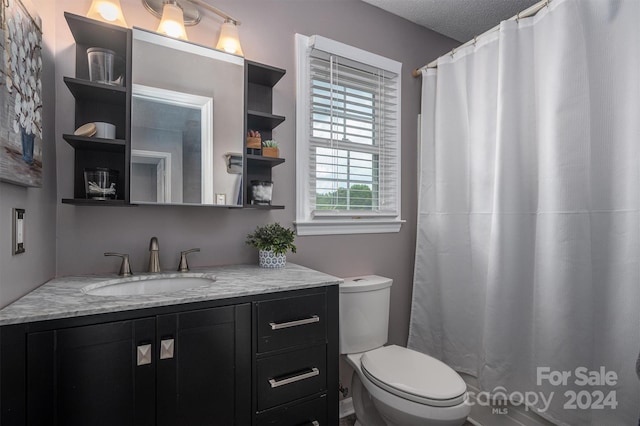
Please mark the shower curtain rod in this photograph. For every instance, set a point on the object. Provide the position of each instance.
(532, 10)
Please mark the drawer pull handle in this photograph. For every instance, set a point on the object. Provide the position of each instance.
(276, 383)
(281, 325)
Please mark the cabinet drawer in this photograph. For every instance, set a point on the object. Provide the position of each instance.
(310, 413)
(293, 321)
(287, 377)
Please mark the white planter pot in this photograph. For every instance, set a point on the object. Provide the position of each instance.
(269, 259)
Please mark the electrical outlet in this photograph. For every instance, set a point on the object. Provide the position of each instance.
(18, 231)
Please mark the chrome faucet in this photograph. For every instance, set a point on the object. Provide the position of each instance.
(154, 255)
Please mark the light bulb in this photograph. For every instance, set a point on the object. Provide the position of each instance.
(229, 40)
(107, 11)
(172, 22)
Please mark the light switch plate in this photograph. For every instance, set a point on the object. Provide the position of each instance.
(18, 231)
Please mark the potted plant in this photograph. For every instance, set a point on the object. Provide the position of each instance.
(270, 149)
(273, 242)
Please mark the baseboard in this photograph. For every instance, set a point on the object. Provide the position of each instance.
(346, 407)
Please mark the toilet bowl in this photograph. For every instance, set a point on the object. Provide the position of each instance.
(439, 397)
(393, 385)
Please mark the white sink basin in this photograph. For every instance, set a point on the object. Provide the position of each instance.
(149, 284)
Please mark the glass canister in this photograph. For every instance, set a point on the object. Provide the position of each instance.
(100, 183)
(101, 64)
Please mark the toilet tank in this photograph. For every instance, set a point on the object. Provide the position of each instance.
(364, 313)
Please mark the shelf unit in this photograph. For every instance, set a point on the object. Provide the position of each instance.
(100, 102)
(110, 103)
(259, 82)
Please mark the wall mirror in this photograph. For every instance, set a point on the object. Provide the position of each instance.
(187, 123)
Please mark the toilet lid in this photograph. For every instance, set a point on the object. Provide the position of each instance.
(414, 376)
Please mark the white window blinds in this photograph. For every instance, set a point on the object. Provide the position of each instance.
(348, 139)
(353, 137)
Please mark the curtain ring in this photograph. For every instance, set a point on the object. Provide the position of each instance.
(475, 40)
(518, 18)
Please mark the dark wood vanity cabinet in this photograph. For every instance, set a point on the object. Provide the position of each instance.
(187, 368)
(296, 352)
(263, 360)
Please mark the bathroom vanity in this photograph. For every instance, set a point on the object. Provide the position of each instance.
(254, 347)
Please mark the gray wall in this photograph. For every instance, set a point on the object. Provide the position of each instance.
(22, 273)
(267, 35)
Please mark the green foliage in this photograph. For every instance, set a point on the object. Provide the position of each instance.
(272, 237)
(270, 144)
(359, 197)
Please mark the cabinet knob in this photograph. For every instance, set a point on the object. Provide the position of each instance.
(144, 354)
(166, 348)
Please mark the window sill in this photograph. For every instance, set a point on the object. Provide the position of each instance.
(337, 227)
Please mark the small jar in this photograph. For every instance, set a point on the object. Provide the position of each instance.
(100, 183)
(261, 191)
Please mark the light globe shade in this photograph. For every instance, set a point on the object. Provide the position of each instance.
(229, 40)
(107, 11)
(172, 22)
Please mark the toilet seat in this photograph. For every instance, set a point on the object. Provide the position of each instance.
(413, 376)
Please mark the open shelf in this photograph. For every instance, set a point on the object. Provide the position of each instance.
(90, 32)
(93, 143)
(90, 202)
(100, 92)
(265, 160)
(263, 207)
(263, 120)
(100, 102)
(264, 75)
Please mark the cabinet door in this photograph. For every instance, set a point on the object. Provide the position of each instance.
(204, 364)
(89, 375)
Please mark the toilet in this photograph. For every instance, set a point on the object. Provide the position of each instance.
(393, 385)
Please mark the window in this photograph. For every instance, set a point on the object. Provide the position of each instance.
(348, 136)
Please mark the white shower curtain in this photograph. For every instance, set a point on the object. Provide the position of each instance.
(528, 245)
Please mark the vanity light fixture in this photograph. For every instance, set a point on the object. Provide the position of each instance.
(229, 40)
(107, 11)
(172, 21)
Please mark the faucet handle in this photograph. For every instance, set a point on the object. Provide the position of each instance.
(183, 266)
(125, 268)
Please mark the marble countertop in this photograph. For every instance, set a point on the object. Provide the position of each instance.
(63, 297)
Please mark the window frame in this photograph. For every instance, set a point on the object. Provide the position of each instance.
(337, 222)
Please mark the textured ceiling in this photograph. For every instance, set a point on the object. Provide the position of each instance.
(459, 19)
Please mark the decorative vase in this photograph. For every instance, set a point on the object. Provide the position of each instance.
(268, 151)
(269, 259)
(27, 145)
